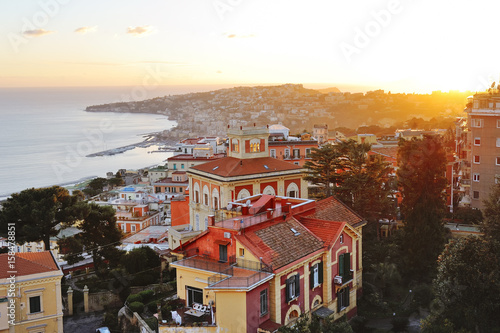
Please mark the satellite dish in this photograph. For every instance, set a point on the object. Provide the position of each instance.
(248, 202)
(229, 206)
(238, 209)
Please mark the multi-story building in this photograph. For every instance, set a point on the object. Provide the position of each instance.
(32, 301)
(279, 258)
(320, 132)
(479, 147)
(247, 171)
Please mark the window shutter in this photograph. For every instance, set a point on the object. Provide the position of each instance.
(262, 144)
(311, 277)
(297, 285)
(347, 293)
(341, 265)
(347, 265)
(339, 302)
(320, 272)
(287, 290)
(247, 146)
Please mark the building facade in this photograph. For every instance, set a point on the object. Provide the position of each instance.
(34, 297)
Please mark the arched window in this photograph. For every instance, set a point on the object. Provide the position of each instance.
(254, 145)
(215, 198)
(196, 194)
(206, 195)
(269, 190)
(235, 145)
(292, 190)
(243, 194)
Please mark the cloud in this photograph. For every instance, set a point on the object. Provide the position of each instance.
(37, 33)
(84, 30)
(239, 36)
(140, 30)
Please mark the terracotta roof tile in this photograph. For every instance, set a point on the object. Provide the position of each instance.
(328, 231)
(276, 243)
(28, 263)
(232, 166)
(332, 209)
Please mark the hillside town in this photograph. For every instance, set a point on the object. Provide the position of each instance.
(244, 237)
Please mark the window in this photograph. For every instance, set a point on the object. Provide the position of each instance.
(182, 166)
(216, 203)
(235, 145)
(498, 120)
(194, 295)
(316, 275)
(196, 196)
(222, 253)
(343, 299)
(477, 141)
(205, 197)
(254, 147)
(342, 239)
(308, 152)
(497, 161)
(175, 166)
(35, 304)
(157, 189)
(296, 153)
(180, 189)
(296, 163)
(477, 123)
(345, 267)
(263, 302)
(242, 252)
(498, 142)
(273, 153)
(477, 159)
(132, 228)
(292, 288)
(287, 153)
(475, 195)
(475, 177)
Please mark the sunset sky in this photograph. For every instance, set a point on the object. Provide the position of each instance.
(394, 45)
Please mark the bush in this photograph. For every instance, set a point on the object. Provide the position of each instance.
(358, 325)
(152, 323)
(152, 306)
(147, 295)
(134, 298)
(423, 295)
(136, 307)
(110, 320)
(399, 324)
(144, 279)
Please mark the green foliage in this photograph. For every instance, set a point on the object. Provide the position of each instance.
(468, 215)
(134, 298)
(423, 295)
(136, 307)
(152, 323)
(37, 212)
(152, 306)
(99, 236)
(305, 325)
(467, 287)
(145, 278)
(111, 321)
(140, 259)
(323, 167)
(491, 223)
(421, 179)
(147, 295)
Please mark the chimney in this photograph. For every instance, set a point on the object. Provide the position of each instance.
(244, 210)
(269, 213)
(211, 220)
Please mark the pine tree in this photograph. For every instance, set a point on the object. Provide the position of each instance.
(421, 179)
(323, 168)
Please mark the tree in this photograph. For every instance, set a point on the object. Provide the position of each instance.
(99, 237)
(491, 222)
(140, 259)
(421, 179)
(365, 181)
(304, 324)
(37, 211)
(467, 288)
(323, 167)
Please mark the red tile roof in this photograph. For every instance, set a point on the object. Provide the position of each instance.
(190, 157)
(328, 231)
(332, 209)
(232, 166)
(276, 243)
(391, 152)
(269, 326)
(28, 263)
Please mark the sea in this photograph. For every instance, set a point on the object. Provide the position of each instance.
(45, 134)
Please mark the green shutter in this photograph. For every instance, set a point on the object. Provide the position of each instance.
(339, 302)
(297, 285)
(320, 272)
(347, 266)
(287, 290)
(341, 266)
(311, 277)
(347, 293)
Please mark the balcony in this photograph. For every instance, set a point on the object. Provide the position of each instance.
(465, 182)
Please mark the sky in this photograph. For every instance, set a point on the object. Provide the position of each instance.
(395, 45)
